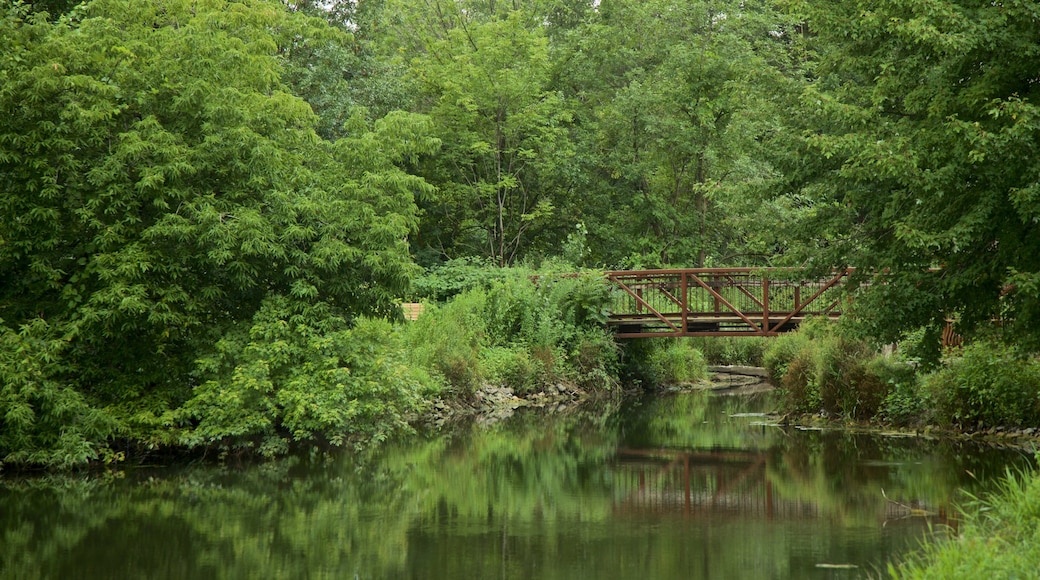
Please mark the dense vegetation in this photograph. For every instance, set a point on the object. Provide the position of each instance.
(210, 210)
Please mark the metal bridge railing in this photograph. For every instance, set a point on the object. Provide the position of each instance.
(719, 301)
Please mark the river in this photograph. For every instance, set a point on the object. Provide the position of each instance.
(691, 486)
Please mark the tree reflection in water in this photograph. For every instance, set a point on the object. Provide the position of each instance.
(665, 487)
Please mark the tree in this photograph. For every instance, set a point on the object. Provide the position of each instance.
(680, 98)
(503, 131)
(921, 152)
(160, 185)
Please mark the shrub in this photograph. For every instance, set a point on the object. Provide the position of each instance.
(447, 280)
(905, 402)
(594, 360)
(990, 383)
(847, 386)
(676, 362)
(798, 383)
(514, 367)
(818, 369)
(44, 420)
(448, 338)
(732, 350)
(298, 373)
(781, 351)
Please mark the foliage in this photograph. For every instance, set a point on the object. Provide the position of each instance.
(443, 281)
(998, 540)
(516, 368)
(781, 351)
(161, 186)
(449, 339)
(523, 329)
(987, 383)
(678, 98)
(818, 369)
(676, 362)
(728, 350)
(503, 129)
(918, 152)
(905, 403)
(303, 374)
(45, 421)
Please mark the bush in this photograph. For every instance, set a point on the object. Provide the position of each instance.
(594, 360)
(989, 383)
(521, 330)
(514, 367)
(817, 369)
(847, 386)
(781, 352)
(44, 420)
(732, 350)
(905, 402)
(447, 280)
(448, 339)
(676, 362)
(798, 384)
(299, 373)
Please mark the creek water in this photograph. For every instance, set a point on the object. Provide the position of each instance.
(690, 486)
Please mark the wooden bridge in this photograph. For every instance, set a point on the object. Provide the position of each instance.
(719, 301)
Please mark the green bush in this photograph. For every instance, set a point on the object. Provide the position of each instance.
(847, 387)
(989, 383)
(45, 420)
(514, 367)
(676, 362)
(798, 384)
(445, 281)
(447, 339)
(905, 402)
(302, 373)
(732, 350)
(817, 369)
(781, 352)
(522, 329)
(594, 360)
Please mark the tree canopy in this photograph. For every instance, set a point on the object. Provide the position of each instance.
(161, 185)
(206, 204)
(919, 158)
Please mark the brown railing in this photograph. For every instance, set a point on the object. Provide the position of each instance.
(719, 301)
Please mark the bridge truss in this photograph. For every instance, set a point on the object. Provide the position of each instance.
(719, 301)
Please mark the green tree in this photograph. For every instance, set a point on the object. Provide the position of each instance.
(160, 184)
(921, 152)
(503, 131)
(681, 100)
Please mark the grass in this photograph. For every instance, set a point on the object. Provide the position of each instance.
(1000, 538)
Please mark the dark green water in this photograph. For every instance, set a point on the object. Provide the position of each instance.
(687, 486)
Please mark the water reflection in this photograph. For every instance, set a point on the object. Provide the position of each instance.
(686, 486)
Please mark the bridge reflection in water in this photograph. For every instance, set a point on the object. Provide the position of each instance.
(725, 483)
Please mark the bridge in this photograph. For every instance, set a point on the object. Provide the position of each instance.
(719, 301)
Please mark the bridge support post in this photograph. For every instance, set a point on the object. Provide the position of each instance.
(685, 302)
(765, 304)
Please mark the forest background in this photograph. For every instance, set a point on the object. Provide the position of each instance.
(211, 210)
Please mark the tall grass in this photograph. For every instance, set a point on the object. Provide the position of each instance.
(731, 350)
(818, 369)
(675, 362)
(519, 328)
(999, 539)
